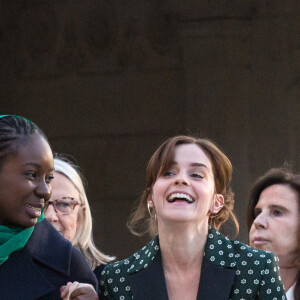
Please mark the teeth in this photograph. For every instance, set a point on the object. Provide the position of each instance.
(34, 208)
(188, 198)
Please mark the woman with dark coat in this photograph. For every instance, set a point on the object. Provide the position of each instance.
(35, 260)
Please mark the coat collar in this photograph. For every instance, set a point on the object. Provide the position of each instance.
(217, 272)
(19, 274)
(54, 252)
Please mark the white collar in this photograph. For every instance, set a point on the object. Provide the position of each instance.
(290, 292)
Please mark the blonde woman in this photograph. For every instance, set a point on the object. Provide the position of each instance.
(69, 212)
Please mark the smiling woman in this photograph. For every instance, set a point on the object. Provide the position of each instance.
(30, 266)
(188, 197)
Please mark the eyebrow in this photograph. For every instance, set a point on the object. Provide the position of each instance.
(198, 165)
(273, 206)
(278, 206)
(32, 164)
(194, 164)
(35, 165)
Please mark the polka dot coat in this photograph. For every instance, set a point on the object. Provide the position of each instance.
(230, 270)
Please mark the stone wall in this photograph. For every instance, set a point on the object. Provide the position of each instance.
(108, 81)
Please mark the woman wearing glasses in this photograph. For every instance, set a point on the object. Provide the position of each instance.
(69, 212)
(35, 261)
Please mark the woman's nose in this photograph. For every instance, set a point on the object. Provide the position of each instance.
(181, 179)
(43, 190)
(51, 214)
(261, 221)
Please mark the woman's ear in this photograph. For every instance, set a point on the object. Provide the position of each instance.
(218, 204)
(150, 200)
(150, 203)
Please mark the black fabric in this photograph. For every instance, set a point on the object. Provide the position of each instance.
(47, 262)
(215, 282)
(98, 270)
(150, 283)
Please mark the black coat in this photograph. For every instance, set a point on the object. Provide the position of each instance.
(47, 262)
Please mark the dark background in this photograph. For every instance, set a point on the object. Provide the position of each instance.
(108, 81)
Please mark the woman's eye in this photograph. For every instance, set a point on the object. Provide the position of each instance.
(49, 178)
(63, 204)
(277, 212)
(196, 175)
(31, 175)
(168, 173)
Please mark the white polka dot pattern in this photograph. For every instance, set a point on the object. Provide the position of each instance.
(257, 272)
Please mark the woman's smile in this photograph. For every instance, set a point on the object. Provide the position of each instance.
(188, 179)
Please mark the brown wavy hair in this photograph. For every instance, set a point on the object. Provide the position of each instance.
(284, 176)
(140, 221)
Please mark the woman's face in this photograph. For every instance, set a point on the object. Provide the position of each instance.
(276, 225)
(186, 192)
(25, 182)
(65, 224)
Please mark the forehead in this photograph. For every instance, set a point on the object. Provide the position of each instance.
(191, 153)
(63, 187)
(34, 149)
(279, 194)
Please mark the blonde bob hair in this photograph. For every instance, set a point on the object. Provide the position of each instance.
(83, 239)
(141, 222)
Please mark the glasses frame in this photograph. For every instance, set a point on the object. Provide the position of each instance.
(53, 202)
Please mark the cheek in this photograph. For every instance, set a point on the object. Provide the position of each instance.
(157, 191)
(68, 222)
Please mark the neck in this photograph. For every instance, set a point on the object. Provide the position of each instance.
(182, 245)
(288, 276)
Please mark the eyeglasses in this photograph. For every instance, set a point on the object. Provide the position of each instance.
(63, 206)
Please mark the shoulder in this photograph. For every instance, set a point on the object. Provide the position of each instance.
(137, 261)
(115, 276)
(49, 248)
(232, 253)
(248, 257)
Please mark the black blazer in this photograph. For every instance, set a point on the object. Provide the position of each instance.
(47, 262)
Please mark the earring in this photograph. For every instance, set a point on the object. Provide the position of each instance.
(149, 211)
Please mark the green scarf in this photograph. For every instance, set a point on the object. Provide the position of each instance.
(14, 239)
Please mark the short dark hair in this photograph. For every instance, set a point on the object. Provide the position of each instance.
(282, 175)
(13, 130)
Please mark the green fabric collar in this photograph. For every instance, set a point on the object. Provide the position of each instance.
(14, 239)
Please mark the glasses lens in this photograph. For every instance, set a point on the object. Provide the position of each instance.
(65, 205)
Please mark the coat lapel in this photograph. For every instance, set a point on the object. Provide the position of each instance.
(149, 283)
(47, 253)
(215, 282)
